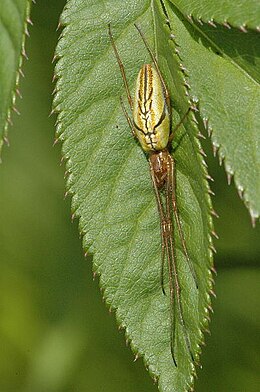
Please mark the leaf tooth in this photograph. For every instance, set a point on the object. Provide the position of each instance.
(210, 309)
(201, 136)
(254, 215)
(58, 25)
(204, 163)
(213, 269)
(214, 213)
(243, 28)
(24, 54)
(202, 152)
(21, 72)
(195, 122)
(136, 357)
(10, 120)
(52, 112)
(200, 21)
(206, 319)
(6, 140)
(240, 190)
(213, 293)
(29, 21)
(214, 234)
(205, 122)
(210, 130)
(229, 178)
(18, 92)
(26, 31)
(55, 57)
(209, 178)
(16, 110)
(184, 69)
(211, 23)
(207, 331)
(210, 191)
(186, 84)
(56, 140)
(66, 195)
(226, 24)
(66, 173)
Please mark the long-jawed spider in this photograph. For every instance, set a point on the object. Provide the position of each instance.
(151, 125)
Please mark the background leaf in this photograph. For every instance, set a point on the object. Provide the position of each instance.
(111, 186)
(223, 72)
(242, 14)
(13, 20)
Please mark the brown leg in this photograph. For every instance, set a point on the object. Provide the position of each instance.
(129, 120)
(178, 125)
(173, 268)
(176, 214)
(162, 221)
(121, 66)
(167, 95)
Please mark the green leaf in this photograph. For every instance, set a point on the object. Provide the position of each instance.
(108, 176)
(222, 68)
(242, 14)
(13, 25)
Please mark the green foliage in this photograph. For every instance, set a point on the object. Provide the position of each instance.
(241, 14)
(113, 197)
(13, 20)
(111, 186)
(223, 72)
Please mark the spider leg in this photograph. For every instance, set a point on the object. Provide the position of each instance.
(121, 66)
(167, 95)
(176, 214)
(173, 273)
(178, 125)
(129, 120)
(164, 243)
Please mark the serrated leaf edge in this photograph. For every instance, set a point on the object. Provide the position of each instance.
(19, 73)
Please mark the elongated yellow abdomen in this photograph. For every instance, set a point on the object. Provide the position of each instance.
(150, 112)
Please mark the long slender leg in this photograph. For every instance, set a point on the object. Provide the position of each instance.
(167, 95)
(121, 66)
(162, 221)
(178, 125)
(173, 271)
(176, 214)
(174, 287)
(165, 234)
(129, 120)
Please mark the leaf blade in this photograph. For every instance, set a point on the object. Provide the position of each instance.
(244, 14)
(228, 98)
(111, 186)
(13, 21)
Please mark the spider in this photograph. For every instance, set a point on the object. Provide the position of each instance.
(151, 125)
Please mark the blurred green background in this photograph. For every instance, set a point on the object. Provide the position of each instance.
(56, 334)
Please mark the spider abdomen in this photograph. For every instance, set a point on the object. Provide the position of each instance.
(150, 112)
